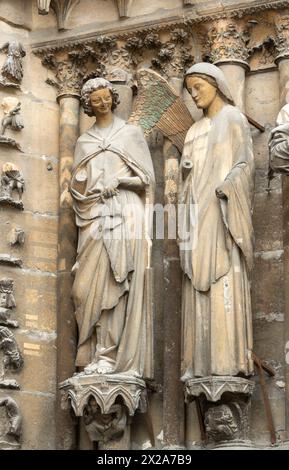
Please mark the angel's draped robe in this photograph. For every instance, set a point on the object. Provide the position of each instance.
(217, 255)
(108, 289)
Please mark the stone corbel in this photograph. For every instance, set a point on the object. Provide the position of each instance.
(61, 8)
(106, 402)
(224, 409)
(124, 7)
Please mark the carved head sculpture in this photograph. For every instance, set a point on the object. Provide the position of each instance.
(205, 82)
(98, 96)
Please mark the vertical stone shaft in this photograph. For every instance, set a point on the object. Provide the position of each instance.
(283, 64)
(173, 396)
(67, 236)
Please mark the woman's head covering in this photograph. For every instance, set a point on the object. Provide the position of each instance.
(204, 68)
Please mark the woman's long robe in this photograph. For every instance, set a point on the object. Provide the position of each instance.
(108, 289)
(217, 252)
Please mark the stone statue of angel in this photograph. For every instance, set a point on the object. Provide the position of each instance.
(112, 181)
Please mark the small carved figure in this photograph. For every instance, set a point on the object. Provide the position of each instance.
(14, 417)
(12, 67)
(11, 180)
(5, 318)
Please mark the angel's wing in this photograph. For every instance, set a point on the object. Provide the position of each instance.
(159, 107)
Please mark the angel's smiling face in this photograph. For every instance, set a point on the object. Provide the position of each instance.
(203, 93)
(101, 101)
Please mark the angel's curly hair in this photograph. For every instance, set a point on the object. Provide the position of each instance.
(97, 84)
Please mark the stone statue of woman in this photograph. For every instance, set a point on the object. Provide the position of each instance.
(112, 179)
(216, 249)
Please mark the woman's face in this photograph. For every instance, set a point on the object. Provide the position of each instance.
(203, 93)
(101, 101)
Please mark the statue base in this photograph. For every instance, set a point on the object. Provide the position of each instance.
(105, 401)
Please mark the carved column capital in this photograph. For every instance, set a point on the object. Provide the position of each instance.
(282, 37)
(227, 42)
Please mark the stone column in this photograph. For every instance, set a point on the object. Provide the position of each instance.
(67, 237)
(282, 60)
(227, 42)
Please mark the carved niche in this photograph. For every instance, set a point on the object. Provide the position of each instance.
(11, 424)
